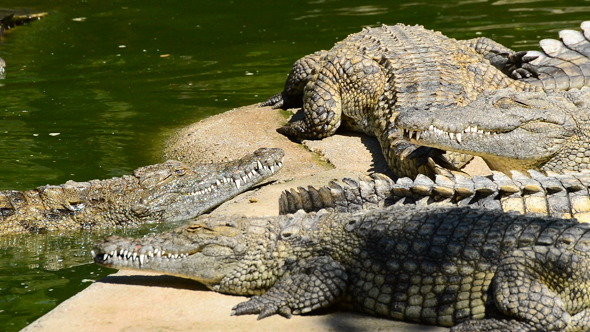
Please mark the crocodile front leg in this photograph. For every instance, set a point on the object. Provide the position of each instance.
(344, 89)
(312, 284)
(408, 160)
(301, 73)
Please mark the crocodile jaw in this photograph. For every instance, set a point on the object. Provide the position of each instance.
(204, 187)
(517, 149)
(207, 268)
(207, 250)
(509, 130)
(201, 251)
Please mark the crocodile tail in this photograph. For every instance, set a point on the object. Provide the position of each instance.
(346, 195)
(555, 195)
(562, 64)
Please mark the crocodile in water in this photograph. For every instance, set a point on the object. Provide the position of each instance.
(165, 192)
(482, 270)
(9, 19)
(370, 77)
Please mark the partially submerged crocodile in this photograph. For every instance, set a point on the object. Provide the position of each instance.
(10, 18)
(434, 265)
(165, 192)
(370, 77)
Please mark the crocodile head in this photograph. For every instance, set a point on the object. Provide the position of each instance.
(179, 191)
(215, 250)
(510, 130)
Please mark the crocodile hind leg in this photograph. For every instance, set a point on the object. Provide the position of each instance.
(493, 325)
(508, 61)
(543, 287)
(301, 73)
(312, 284)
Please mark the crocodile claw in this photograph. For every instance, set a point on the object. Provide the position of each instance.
(519, 67)
(276, 101)
(295, 130)
(257, 305)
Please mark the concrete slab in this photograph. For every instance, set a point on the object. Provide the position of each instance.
(150, 302)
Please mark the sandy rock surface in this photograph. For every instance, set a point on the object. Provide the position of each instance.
(142, 301)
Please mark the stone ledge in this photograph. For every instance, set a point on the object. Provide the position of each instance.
(145, 301)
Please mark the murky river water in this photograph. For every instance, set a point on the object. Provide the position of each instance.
(93, 89)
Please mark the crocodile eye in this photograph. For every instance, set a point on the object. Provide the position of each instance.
(506, 102)
(180, 172)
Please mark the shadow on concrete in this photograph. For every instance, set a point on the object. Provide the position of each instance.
(155, 281)
(335, 318)
(379, 163)
(354, 322)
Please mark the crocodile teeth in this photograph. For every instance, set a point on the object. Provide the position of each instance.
(470, 129)
(141, 259)
(458, 136)
(238, 184)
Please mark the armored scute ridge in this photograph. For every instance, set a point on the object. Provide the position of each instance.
(366, 80)
(165, 192)
(556, 195)
(479, 270)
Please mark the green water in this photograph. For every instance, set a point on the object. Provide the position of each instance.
(93, 89)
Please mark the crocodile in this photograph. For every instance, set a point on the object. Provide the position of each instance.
(9, 19)
(164, 192)
(472, 269)
(366, 80)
